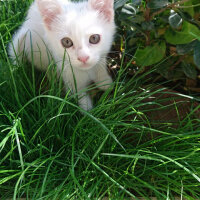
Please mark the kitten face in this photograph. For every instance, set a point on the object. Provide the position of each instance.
(82, 30)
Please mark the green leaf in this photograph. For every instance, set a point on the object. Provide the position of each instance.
(136, 2)
(195, 35)
(197, 54)
(129, 9)
(175, 20)
(138, 19)
(150, 54)
(119, 3)
(189, 70)
(188, 8)
(155, 4)
(183, 36)
(183, 49)
(164, 69)
(148, 25)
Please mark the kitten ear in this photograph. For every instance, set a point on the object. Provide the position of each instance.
(49, 10)
(104, 7)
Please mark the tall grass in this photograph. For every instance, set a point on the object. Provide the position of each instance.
(50, 150)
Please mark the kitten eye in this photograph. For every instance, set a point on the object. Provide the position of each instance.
(94, 39)
(66, 42)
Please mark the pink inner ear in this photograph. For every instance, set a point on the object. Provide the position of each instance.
(49, 10)
(104, 7)
(49, 17)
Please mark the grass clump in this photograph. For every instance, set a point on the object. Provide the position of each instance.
(50, 150)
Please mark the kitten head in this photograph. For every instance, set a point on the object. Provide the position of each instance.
(85, 29)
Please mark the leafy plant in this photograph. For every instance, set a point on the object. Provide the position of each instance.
(162, 31)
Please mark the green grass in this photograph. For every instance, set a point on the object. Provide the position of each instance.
(50, 150)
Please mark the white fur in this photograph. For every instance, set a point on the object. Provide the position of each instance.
(78, 21)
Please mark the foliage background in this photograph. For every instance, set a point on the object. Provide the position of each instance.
(163, 33)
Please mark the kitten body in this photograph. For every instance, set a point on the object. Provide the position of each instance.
(77, 36)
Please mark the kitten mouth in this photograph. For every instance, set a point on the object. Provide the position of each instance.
(85, 66)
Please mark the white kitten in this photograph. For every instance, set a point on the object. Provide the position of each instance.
(82, 33)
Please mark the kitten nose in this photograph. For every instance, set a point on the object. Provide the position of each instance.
(83, 59)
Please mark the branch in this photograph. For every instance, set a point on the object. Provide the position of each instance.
(172, 5)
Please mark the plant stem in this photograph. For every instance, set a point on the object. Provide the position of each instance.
(172, 5)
